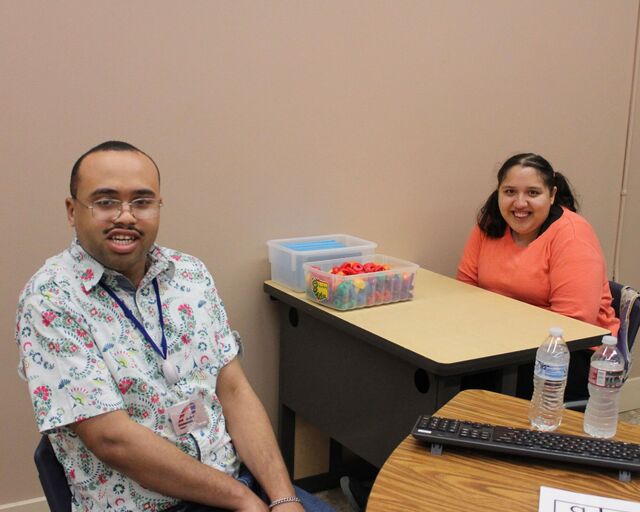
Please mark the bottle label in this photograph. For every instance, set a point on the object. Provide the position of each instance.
(605, 379)
(550, 371)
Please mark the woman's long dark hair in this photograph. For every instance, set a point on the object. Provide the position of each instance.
(490, 219)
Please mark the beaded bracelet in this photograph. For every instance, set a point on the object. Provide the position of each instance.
(280, 501)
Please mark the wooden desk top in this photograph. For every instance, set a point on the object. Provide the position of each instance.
(473, 323)
(464, 480)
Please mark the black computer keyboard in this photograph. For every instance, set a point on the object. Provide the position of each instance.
(531, 443)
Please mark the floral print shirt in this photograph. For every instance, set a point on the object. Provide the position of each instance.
(82, 357)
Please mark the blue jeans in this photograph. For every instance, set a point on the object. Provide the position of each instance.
(309, 501)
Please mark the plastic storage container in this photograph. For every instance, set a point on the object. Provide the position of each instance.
(287, 255)
(360, 290)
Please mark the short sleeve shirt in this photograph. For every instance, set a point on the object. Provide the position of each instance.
(82, 357)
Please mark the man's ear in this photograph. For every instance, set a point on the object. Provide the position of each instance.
(71, 211)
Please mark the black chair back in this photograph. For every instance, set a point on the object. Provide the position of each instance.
(633, 325)
(52, 477)
(579, 404)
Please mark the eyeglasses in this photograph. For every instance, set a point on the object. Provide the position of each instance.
(111, 209)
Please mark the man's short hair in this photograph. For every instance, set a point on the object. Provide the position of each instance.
(110, 145)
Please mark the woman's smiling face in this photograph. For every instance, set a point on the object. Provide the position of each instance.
(524, 201)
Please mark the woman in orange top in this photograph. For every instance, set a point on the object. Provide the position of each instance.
(529, 244)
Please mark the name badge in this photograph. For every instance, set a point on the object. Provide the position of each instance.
(188, 416)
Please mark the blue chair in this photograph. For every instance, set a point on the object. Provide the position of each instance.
(626, 304)
(52, 477)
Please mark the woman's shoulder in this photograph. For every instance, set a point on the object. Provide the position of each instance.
(476, 236)
(573, 230)
(572, 223)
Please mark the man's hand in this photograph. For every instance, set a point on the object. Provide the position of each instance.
(256, 505)
(289, 507)
(262, 507)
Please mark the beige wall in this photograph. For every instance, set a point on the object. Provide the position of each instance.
(382, 119)
(628, 258)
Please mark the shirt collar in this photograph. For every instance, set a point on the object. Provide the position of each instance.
(90, 271)
(555, 212)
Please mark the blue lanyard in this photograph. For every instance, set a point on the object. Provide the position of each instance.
(162, 350)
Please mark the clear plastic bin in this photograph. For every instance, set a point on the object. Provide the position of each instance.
(287, 255)
(360, 290)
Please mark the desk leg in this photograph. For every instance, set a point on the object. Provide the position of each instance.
(446, 389)
(287, 436)
(508, 380)
(335, 458)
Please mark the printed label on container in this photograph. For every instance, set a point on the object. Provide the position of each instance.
(320, 289)
(605, 379)
(550, 371)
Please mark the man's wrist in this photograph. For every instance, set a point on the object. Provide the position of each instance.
(241, 496)
(283, 501)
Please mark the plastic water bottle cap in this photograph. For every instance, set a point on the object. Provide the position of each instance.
(556, 331)
(609, 340)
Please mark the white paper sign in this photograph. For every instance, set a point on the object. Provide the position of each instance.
(557, 500)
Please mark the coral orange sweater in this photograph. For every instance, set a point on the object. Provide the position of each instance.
(562, 270)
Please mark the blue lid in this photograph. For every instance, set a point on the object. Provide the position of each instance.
(314, 245)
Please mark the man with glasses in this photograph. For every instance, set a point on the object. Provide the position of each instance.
(132, 366)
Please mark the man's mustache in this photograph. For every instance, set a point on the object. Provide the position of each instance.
(128, 228)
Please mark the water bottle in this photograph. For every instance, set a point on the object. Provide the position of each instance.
(605, 380)
(549, 380)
